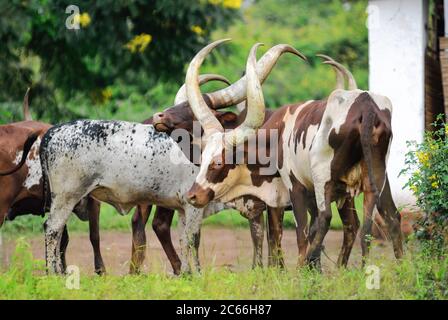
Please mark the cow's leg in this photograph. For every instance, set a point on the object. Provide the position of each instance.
(61, 208)
(63, 248)
(194, 218)
(139, 220)
(298, 199)
(189, 227)
(161, 224)
(391, 216)
(93, 208)
(350, 224)
(312, 209)
(183, 244)
(257, 233)
(366, 231)
(4, 208)
(275, 233)
(323, 192)
(6, 202)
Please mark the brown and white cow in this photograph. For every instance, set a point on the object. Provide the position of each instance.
(331, 149)
(178, 117)
(181, 117)
(22, 190)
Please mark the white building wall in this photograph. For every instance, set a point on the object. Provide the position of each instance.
(397, 41)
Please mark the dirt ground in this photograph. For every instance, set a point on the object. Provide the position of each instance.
(220, 247)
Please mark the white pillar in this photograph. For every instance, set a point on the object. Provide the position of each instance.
(397, 42)
(445, 8)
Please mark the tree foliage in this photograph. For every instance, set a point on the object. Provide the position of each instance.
(109, 69)
(335, 28)
(126, 41)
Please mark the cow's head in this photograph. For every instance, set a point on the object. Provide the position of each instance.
(180, 116)
(219, 171)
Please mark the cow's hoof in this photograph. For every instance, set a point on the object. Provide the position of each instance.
(314, 263)
(101, 271)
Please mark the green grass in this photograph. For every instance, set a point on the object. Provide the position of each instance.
(418, 276)
(111, 220)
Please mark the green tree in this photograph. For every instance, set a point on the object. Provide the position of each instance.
(116, 42)
(333, 27)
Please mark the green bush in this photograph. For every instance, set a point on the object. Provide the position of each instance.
(427, 165)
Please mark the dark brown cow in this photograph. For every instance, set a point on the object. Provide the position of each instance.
(22, 190)
(332, 149)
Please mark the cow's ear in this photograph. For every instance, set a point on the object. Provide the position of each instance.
(226, 117)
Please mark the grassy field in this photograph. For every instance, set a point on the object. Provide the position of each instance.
(418, 276)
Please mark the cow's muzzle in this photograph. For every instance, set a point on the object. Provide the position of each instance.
(199, 197)
(161, 122)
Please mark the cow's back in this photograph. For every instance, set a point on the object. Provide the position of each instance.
(297, 128)
(119, 162)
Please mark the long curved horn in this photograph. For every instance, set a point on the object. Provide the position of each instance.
(197, 103)
(241, 106)
(348, 75)
(237, 91)
(26, 107)
(339, 75)
(255, 103)
(181, 95)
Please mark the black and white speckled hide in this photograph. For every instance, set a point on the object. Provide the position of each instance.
(123, 164)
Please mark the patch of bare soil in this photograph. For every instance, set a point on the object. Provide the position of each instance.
(220, 247)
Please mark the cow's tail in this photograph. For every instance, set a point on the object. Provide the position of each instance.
(44, 164)
(26, 150)
(367, 125)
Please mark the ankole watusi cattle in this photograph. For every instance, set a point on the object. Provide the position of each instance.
(163, 217)
(22, 189)
(332, 149)
(111, 192)
(179, 117)
(117, 153)
(182, 119)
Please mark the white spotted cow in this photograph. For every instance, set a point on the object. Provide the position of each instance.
(123, 164)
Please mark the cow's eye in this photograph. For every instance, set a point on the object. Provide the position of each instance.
(216, 164)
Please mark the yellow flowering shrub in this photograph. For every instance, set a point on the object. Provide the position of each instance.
(139, 43)
(229, 4)
(232, 4)
(427, 166)
(101, 96)
(198, 30)
(83, 19)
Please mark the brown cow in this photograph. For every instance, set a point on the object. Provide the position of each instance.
(23, 189)
(331, 149)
